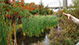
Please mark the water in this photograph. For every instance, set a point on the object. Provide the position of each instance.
(42, 40)
(46, 40)
(29, 40)
(77, 43)
(22, 43)
(58, 28)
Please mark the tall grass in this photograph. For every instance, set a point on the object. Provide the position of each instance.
(3, 37)
(33, 25)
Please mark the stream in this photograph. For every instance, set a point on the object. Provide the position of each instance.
(41, 40)
(46, 40)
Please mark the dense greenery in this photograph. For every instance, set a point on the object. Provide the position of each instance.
(34, 25)
(12, 15)
(3, 36)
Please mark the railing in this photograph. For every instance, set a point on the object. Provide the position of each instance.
(58, 7)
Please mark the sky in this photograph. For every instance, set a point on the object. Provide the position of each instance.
(50, 3)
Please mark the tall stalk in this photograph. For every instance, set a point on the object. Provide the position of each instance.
(14, 29)
(7, 33)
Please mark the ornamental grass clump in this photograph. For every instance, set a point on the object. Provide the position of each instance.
(33, 25)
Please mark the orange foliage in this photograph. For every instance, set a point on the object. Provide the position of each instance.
(6, 15)
(60, 11)
(54, 13)
(14, 5)
(31, 6)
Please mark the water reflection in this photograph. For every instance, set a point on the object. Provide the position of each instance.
(43, 38)
(29, 40)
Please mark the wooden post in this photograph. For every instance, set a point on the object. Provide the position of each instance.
(65, 3)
